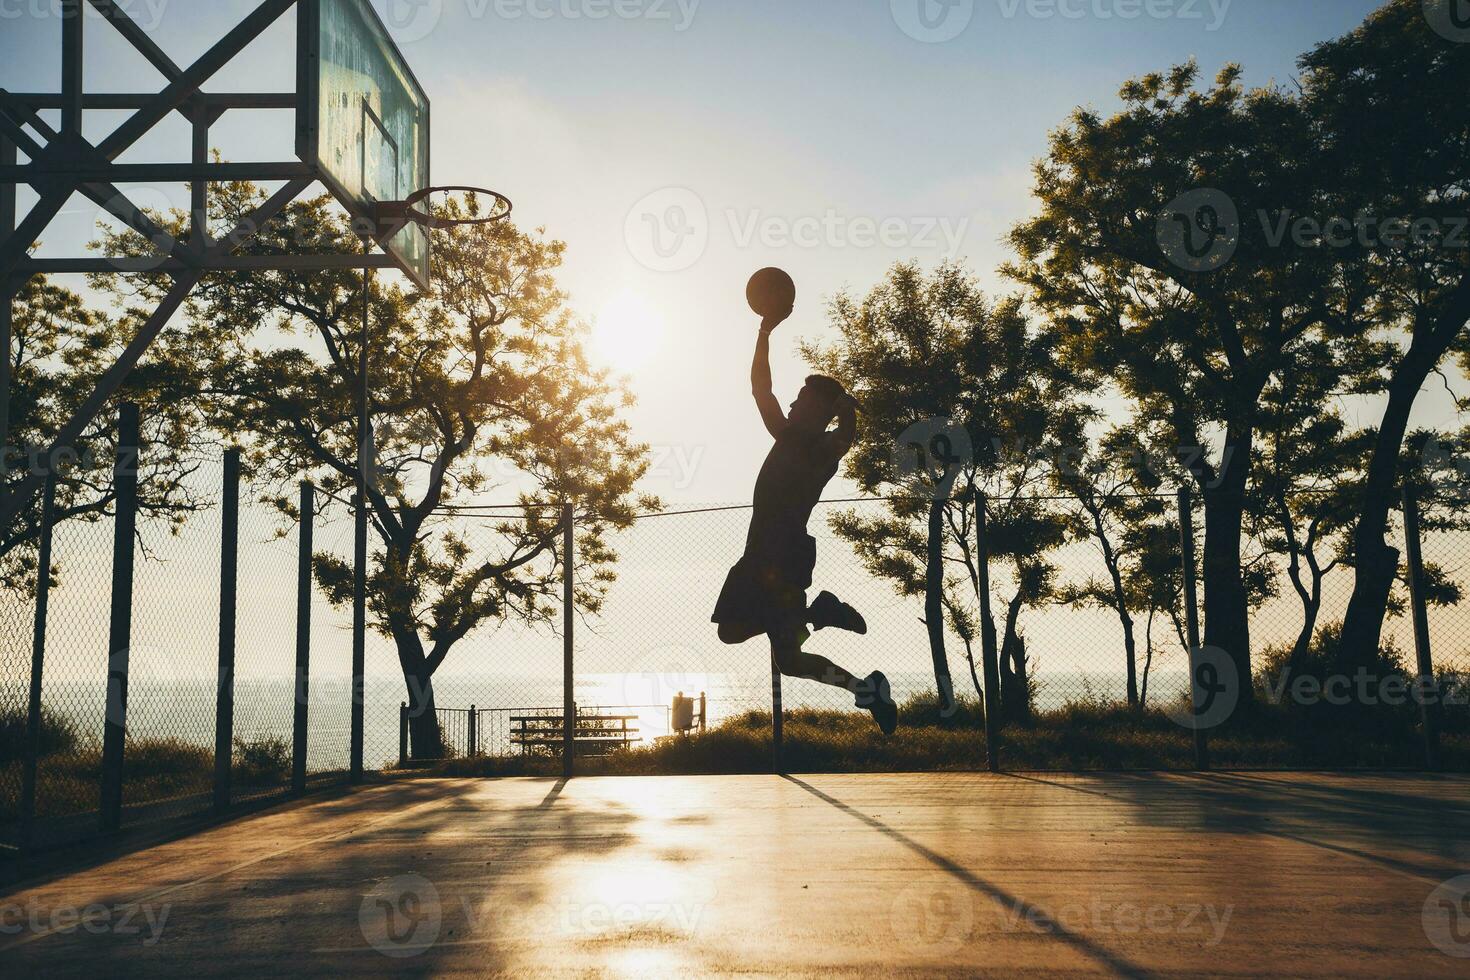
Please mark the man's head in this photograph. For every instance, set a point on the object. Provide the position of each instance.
(816, 403)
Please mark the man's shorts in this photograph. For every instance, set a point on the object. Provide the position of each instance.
(767, 586)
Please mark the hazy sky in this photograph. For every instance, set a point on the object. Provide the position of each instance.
(676, 147)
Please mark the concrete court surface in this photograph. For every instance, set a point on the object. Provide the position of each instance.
(923, 874)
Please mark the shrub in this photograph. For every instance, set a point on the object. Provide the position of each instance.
(58, 734)
(262, 761)
(1381, 714)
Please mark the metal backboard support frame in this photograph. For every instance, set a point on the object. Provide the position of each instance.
(61, 162)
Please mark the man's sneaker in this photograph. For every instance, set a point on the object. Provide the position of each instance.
(828, 610)
(874, 695)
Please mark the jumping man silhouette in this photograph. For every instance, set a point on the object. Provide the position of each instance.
(765, 592)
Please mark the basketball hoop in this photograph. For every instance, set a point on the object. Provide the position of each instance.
(393, 216)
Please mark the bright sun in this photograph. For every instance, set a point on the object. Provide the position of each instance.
(626, 332)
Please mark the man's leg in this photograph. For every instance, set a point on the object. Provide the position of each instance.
(792, 661)
(869, 692)
(735, 634)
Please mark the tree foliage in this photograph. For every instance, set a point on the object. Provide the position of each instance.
(478, 386)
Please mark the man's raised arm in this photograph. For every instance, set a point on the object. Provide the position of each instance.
(840, 439)
(760, 381)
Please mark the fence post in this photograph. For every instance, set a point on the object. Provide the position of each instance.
(9, 287)
(472, 737)
(303, 639)
(224, 695)
(568, 596)
(1191, 624)
(1426, 688)
(989, 657)
(38, 664)
(359, 630)
(777, 738)
(120, 629)
(403, 735)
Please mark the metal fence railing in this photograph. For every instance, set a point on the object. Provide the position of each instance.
(1061, 657)
(472, 732)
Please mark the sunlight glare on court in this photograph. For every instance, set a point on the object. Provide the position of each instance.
(627, 332)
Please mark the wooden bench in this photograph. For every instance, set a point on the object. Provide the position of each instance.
(595, 734)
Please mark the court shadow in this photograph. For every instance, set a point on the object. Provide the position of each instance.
(459, 880)
(1375, 821)
(1044, 922)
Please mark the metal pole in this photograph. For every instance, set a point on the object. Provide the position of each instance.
(72, 24)
(1426, 688)
(224, 695)
(473, 734)
(120, 632)
(403, 735)
(303, 638)
(9, 287)
(1191, 624)
(360, 532)
(778, 736)
(568, 598)
(38, 663)
(989, 657)
(199, 189)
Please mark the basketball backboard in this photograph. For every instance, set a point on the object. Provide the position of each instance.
(362, 121)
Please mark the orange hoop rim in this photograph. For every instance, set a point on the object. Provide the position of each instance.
(412, 212)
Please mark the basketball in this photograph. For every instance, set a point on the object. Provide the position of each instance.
(770, 292)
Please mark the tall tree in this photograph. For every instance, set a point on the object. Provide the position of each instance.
(1159, 294)
(1307, 473)
(970, 385)
(483, 376)
(1154, 584)
(1111, 489)
(59, 347)
(1396, 136)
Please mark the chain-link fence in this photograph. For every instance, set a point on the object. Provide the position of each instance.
(172, 674)
(1090, 650)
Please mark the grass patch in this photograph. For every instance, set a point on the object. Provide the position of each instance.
(1084, 735)
(69, 770)
(70, 782)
